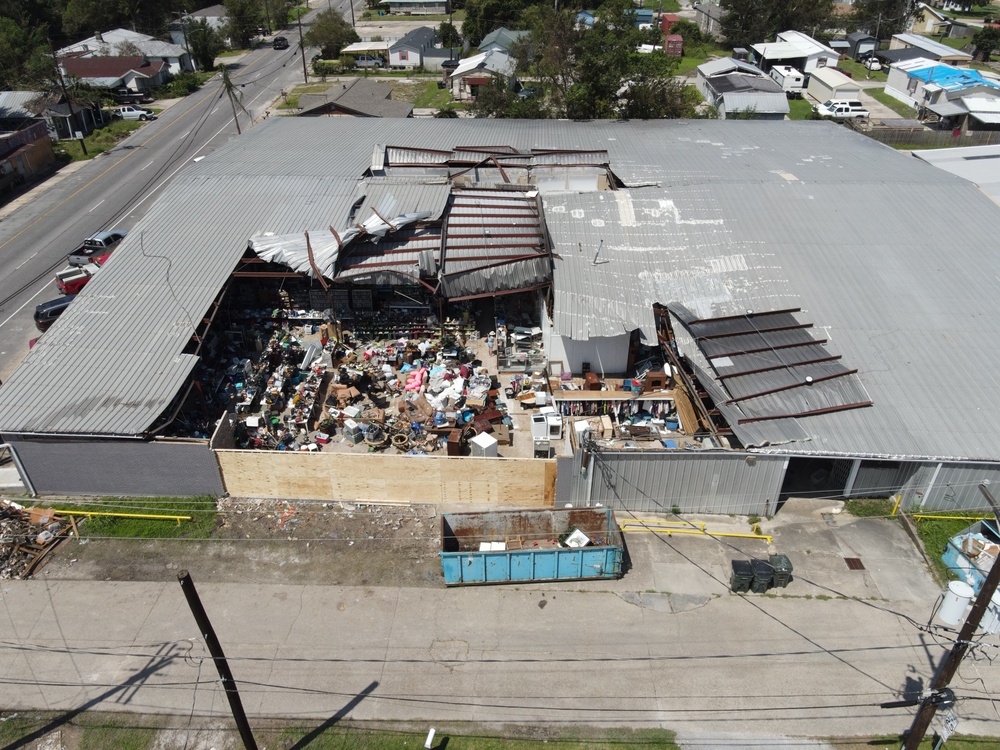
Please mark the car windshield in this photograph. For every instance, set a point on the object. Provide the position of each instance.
(828, 104)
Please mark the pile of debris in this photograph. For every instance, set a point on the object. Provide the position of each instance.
(27, 535)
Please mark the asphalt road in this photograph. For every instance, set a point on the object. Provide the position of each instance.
(115, 189)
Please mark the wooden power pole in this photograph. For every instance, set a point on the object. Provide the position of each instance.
(215, 649)
(929, 705)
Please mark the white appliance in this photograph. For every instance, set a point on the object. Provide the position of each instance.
(539, 427)
(553, 423)
(542, 448)
(483, 445)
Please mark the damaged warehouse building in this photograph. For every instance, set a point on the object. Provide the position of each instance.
(651, 316)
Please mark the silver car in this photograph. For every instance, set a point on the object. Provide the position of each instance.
(128, 112)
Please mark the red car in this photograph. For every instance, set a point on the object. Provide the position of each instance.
(72, 279)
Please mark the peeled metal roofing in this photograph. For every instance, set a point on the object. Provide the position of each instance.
(757, 216)
(761, 102)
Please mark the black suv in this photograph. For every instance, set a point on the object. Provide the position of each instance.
(47, 312)
(280, 43)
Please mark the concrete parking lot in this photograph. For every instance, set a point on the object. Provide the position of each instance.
(667, 645)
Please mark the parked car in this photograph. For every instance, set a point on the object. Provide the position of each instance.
(97, 244)
(842, 109)
(130, 112)
(72, 279)
(125, 95)
(279, 43)
(527, 92)
(872, 64)
(47, 312)
(369, 61)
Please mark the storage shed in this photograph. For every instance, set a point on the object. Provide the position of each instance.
(827, 83)
(673, 45)
(861, 44)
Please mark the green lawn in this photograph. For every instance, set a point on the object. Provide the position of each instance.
(422, 94)
(101, 140)
(935, 534)
(860, 73)
(903, 110)
(800, 109)
(953, 42)
(202, 510)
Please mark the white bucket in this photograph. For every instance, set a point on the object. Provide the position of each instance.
(991, 617)
(952, 611)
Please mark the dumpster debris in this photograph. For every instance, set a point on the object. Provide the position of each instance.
(26, 538)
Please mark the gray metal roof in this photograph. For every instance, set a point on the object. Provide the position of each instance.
(761, 102)
(980, 165)
(929, 45)
(735, 216)
(15, 103)
(728, 65)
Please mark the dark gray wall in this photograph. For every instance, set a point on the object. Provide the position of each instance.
(119, 467)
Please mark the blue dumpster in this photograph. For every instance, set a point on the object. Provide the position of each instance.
(529, 545)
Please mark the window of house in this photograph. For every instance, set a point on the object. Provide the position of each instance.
(404, 55)
(911, 85)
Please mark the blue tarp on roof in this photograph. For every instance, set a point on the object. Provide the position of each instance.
(951, 78)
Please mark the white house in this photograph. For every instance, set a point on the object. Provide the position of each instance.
(796, 49)
(735, 87)
(925, 83)
(114, 43)
(416, 50)
(479, 70)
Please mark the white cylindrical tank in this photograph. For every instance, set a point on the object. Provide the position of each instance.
(957, 598)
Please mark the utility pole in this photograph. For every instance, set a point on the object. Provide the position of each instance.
(69, 102)
(302, 48)
(185, 19)
(215, 649)
(929, 705)
(227, 86)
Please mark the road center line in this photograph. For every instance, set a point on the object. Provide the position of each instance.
(146, 166)
(97, 204)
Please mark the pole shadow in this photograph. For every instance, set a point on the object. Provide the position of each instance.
(347, 708)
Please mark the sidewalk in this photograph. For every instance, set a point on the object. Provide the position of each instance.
(668, 645)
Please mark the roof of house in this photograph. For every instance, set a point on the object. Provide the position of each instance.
(14, 104)
(211, 11)
(936, 49)
(976, 164)
(797, 37)
(711, 10)
(760, 102)
(719, 219)
(493, 61)
(727, 65)
(949, 77)
(859, 36)
(418, 38)
(362, 96)
(109, 68)
(104, 43)
(502, 37)
(940, 15)
(833, 78)
(737, 82)
(986, 109)
(783, 50)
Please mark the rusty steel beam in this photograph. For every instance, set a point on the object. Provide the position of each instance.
(813, 412)
(801, 384)
(741, 317)
(811, 342)
(781, 366)
(752, 331)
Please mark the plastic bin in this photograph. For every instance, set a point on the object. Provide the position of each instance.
(742, 575)
(763, 576)
(782, 570)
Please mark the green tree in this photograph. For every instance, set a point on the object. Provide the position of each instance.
(484, 16)
(448, 35)
(495, 99)
(882, 18)
(331, 33)
(205, 43)
(25, 60)
(549, 53)
(245, 17)
(747, 22)
(986, 41)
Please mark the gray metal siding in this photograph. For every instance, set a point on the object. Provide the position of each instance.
(119, 467)
(882, 478)
(956, 487)
(647, 482)
(565, 477)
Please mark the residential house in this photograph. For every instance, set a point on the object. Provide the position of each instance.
(419, 7)
(860, 44)
(795, 49)
(734, 86)
(709, 18)
(135, 73)
(214, 15)
(502, 39)
(479, 70)
(930, 49)
(927, 20)
(25, 146)
(112, 43)
(62, 119)
(361, 97)
(416, 50)
(929, 85)
(585, 19)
